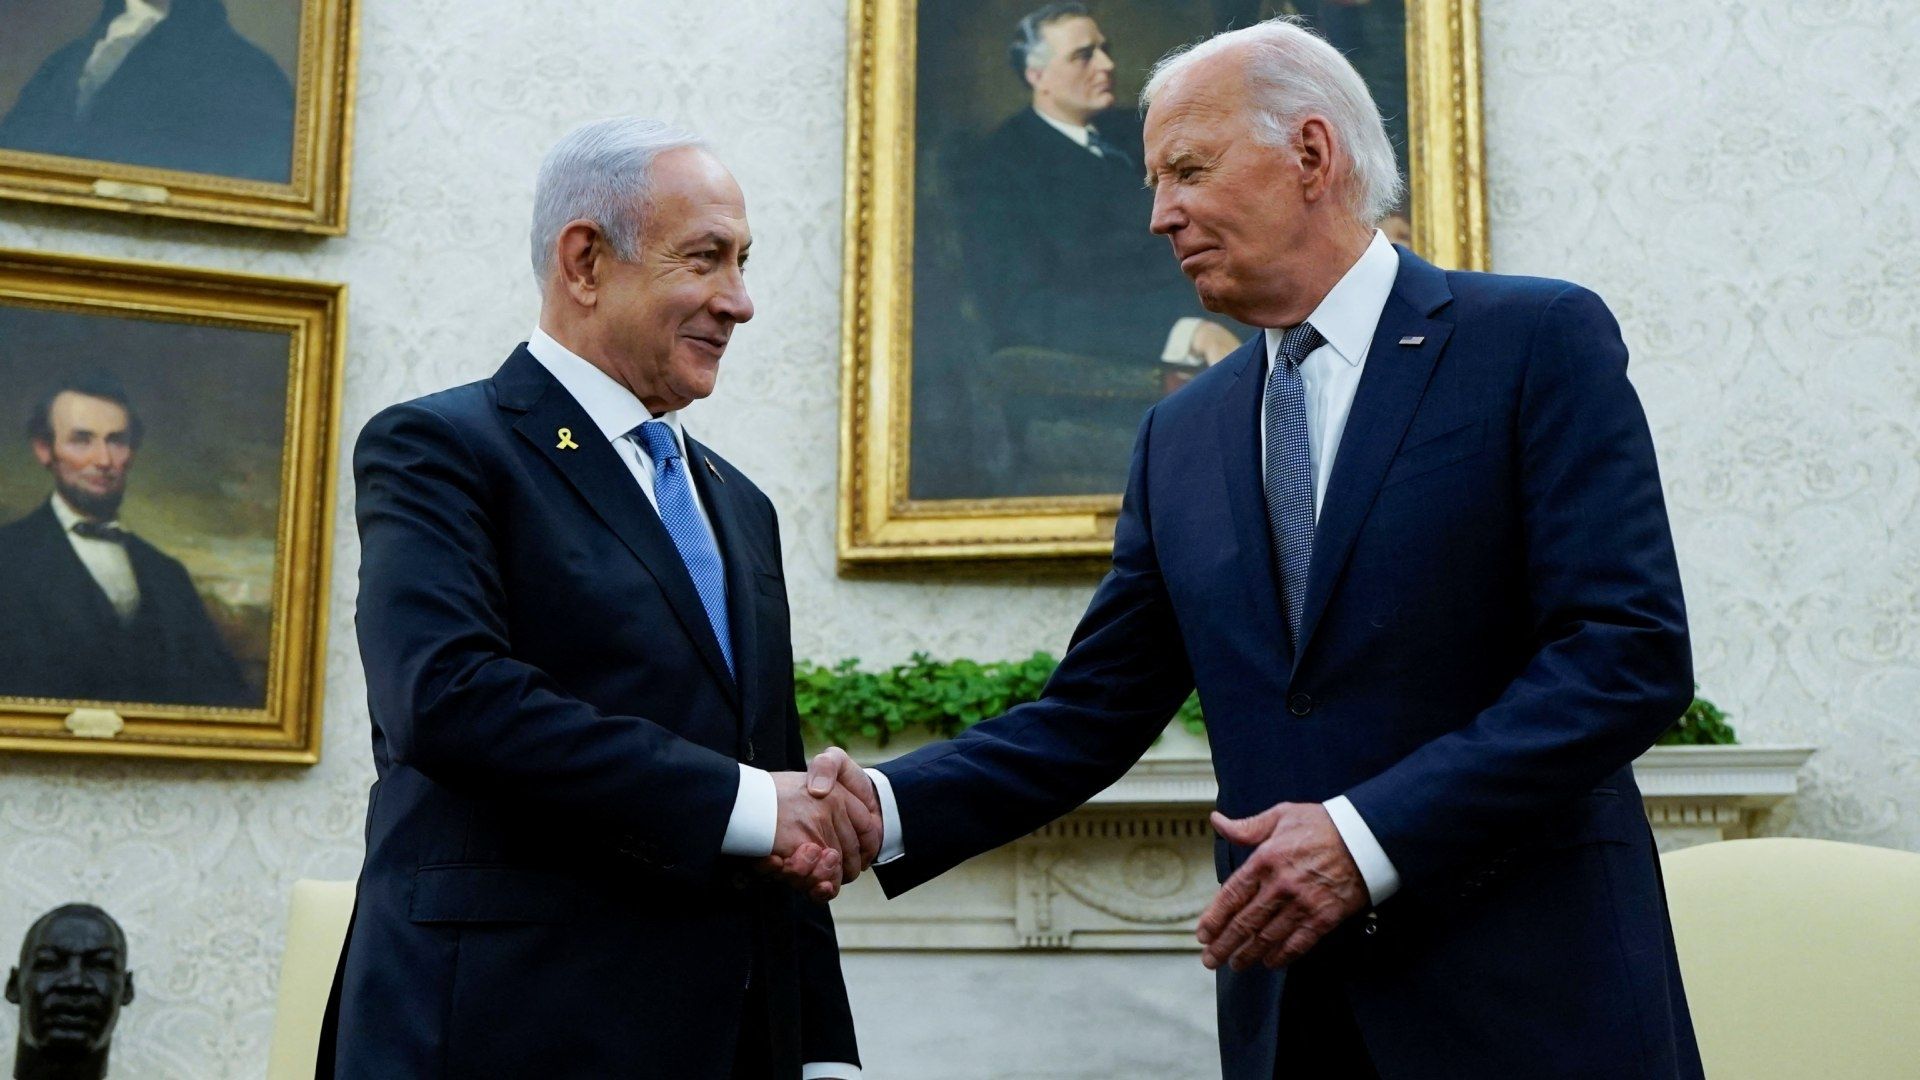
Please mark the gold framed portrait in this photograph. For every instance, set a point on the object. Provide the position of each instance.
(1007, 317)
(165, 508)
(236, 111)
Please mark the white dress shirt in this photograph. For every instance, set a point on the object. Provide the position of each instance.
(1079, 133)
(1330, 375)
(129, 28)
(617, 413)
(106, 560)
(1347, 318)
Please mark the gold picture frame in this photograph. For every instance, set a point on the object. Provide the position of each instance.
(238, 378)
(311, 199)
(880, 522)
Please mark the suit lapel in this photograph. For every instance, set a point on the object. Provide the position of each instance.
(69, 586)
(1390, 390)
(730, 531)
(1239, 439)
(594, 469)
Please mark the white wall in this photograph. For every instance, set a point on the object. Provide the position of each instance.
(1738, 180)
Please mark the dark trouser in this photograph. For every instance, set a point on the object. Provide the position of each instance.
(1318, 1037)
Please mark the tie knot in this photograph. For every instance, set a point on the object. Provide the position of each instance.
(656, 438)
(1296, 343)
(100, 530)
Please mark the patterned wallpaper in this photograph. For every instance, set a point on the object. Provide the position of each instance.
(1739, 181)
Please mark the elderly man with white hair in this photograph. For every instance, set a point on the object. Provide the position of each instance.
(1409, 543)
(575, 631)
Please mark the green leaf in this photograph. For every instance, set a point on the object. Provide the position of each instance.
(1703, 724)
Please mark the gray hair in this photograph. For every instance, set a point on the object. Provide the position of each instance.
(1029, 49)
(600, 172)
(1293, 73)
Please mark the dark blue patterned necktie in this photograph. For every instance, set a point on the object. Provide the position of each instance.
(673, 495)
(1289, 471)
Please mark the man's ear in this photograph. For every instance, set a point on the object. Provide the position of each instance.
(1314, 152)
(576, 258)
(13, 986)
(43, 450)
(126, 994)
(1033, 78)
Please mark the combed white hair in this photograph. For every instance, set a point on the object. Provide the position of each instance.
(1293, 73)
(599, 172)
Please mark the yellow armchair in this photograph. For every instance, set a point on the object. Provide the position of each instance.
(316, 931)
(1801, 957)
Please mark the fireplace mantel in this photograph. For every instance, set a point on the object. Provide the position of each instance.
(1133, 869)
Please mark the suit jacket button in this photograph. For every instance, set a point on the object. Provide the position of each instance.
(749, 753)
(1300, 704)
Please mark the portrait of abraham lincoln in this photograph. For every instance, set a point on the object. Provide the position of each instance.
(140, 472)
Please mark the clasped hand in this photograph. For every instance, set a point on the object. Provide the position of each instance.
(1298, 884)
(829, 825)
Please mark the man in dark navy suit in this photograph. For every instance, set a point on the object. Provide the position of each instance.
(1410, 545)
(575, 630)
(91, 610)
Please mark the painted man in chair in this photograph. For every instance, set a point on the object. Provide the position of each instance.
(1052, 210)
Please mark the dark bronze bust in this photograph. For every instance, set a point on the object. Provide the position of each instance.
(70, 984)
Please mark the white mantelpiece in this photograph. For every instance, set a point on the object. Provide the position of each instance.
(1133, 869)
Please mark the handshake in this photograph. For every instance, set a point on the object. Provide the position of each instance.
(829, 825)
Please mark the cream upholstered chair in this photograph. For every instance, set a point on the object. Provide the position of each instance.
(1801, 957)
(316, 931)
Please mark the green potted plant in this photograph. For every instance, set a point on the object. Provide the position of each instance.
(923, 699)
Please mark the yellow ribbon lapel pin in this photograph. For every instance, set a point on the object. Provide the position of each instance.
(566, 440)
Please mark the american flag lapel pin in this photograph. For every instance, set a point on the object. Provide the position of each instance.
(1413, 339)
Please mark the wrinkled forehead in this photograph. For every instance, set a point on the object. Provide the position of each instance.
(1190, 108)
(694, 193)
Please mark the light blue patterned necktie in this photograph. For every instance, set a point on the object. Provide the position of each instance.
(1289, 471)
(673, 495)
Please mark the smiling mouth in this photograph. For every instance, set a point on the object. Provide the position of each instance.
(718, 345)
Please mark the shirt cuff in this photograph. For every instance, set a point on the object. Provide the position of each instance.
(892, 846)
(1179, 346)
(829, 1070)
(756, 816)
(1375, 868)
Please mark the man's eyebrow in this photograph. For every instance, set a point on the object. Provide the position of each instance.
(1174, 159)
(711, 238)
